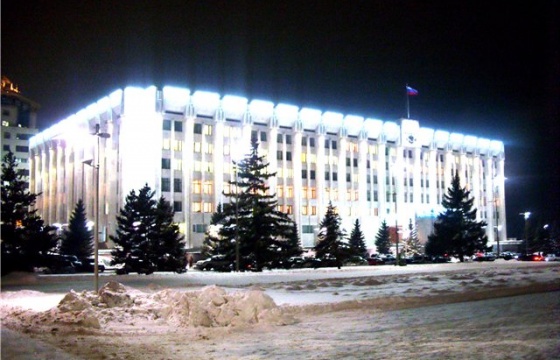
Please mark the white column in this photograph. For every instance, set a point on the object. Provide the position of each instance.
(218, 160)
(188, 168)
(320, 176)
(272, 161)
(489, 194)
(476, 179)
(363, 211)
(342, 184)
(297, 181)
(61, 194)
(381, 178)
(433, 178)
(417, 175)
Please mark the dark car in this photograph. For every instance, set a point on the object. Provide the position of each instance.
(57, 264)
(136, 264)
(355, 261)
(530, 257)
(216, 263)
(88, 265)
(375, 260)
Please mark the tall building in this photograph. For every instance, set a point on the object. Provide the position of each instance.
(19, 118)
(184, 145)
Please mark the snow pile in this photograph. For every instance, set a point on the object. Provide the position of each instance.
(116, 304)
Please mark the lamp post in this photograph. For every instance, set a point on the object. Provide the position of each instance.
(236, 218)
(99, 135)
(526, 216)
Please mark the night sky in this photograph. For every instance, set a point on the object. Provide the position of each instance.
(484, 68)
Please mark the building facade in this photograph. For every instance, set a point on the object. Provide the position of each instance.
(184, 146)
(19, 123)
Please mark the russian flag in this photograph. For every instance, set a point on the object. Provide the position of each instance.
(411, 92)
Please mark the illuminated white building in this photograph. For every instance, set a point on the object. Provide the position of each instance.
(183, 145)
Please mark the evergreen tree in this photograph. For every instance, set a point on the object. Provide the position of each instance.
(456, 231)
(251, 216)
(330, 245)
(213, 243)
(167, 248)
(292, 246)
(357, 240)
(411, 245)
(25, 237)
(77, 239)
(383, 239)
(135, 227)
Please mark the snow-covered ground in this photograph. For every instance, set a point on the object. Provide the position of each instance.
(316, 314)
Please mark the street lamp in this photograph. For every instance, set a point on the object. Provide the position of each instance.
(526, 216)
(99, 135)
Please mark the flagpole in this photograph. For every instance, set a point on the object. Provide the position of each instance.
(407, 102)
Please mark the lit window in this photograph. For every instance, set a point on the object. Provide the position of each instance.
(177, 145)
(208, 208)
(279, 208)
(208, 187)
(313, 210)
(208, 130)
(208, 148)
(303, 157)
(178, 164)
(280, 191)
(304, 210)
(312, 158)
(197, 147)
(196, 207)
(166, 144)
(290, 192)
(196, 186)
(226, 149)
(313, 193)
(289, 209)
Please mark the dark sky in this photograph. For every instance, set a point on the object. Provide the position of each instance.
(486, 68)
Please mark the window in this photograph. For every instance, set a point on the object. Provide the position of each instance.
(288, 139)
(6, 147)
(254, 134)
(355, 162)
(179, 126)
(334, 144)
(279, 155)
(197, 187)
(208, 130)
(165, 184)
(263, 136)
(304, 174)
(197, 147)
(165, 163)
(279, 138)
(313, 210)
(304, 210)
(303, 141)
(375, 179)
(311, 142)
(327, 143)
(289, 210)
(166, 144)
(288, 156)
(177, 185)
(375, 196)
(327, 175)
(199, 228)
(312, 174)
(177, 206)
(348, 177)
(196, 207)
(7, 135)
(198, 128)
(335, 176)
(307, 229)
(167, 125)
(21, 148)
(177, 145)
(207, 207)
(208, 187)
(347, 161)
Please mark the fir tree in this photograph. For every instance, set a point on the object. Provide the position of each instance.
(213, 243)
(25, 237)
(291, 247)
(330, 245)
(383, 239)
(135, 227)
(456, 231)
(412, 245)
(251, 216)
(167, 248)
(77, 238)
(357, 240)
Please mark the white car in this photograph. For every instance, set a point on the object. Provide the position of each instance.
(551, 257)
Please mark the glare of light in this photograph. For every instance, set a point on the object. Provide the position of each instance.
(115, 98)
(206, 102)
(234, 107)
(456, 140)
(483, 145)
(354, 124)
(425, 136)
(526, 214)
(441, 137)
(496, 147)
(470, 142)
(332, 120)
(311, 118)
(261, 109)
(391, 130)
(175, 98)
(139, 101)
(373, 127)
(286, 114)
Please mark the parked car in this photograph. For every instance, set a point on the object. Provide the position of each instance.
(530, 257)
(417, 259)
(389, 259)
(484, 257)
(57, 264)
(355, 261)
(216, 263)
(552, 257)
(88, 265)
(441, 259)
(301, 262)
(136, 264)
(507, 255)
(375, 259)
